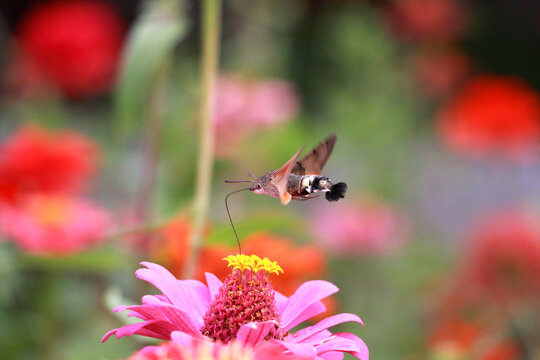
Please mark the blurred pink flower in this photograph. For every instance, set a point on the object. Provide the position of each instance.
(440, 72)
(243, 308)
(367, 227)
(53, 224)
(207, 350)
(246, 105)
(501, 261)
(36, 160)
(74, 45)
(427, 20)
(492, 114)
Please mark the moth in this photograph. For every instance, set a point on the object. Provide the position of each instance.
(300, 179)
(296, 179)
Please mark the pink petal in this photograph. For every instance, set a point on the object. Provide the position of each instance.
(158, 329)
(281, 301)
(301, 350)
(299, 304)
(345, 342)
(316, 338)
(121, 308)
(178, 319)
(190, 296)
(155, 300)
(213, 284)
(324, 324)
(181, 338)
(272, 350)
(331, 355)
(253, 333)
(312, 310)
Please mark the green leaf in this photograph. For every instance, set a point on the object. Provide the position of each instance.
(151, 41)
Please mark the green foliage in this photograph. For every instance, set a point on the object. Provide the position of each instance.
(150, 44)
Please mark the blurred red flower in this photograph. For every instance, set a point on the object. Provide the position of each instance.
(299, 262)
(365, 227)
(439, 72)
(502, 259)
(53, 224)
(456, 338)
(427, 20)
(492, 114)
(36, 160)
(74, 44)
(244, 105)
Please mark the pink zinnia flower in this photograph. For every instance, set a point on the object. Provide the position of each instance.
(243, 308)
(207, 350)
(245, 105)
(74, 44)
(53, 224)
(36, 160)
(492, 115)
(367, 227)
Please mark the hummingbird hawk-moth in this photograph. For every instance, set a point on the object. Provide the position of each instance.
(300, 179)
(296, 179)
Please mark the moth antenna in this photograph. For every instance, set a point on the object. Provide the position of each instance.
(237, 181)
(230, 219)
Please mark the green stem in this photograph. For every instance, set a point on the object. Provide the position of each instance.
(211, 14)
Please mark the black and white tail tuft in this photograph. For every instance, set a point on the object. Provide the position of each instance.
(337, 191)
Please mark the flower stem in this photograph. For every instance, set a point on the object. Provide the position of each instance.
(211, 14)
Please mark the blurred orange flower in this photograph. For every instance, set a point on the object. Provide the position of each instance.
(36, 160)
(299, 262)
(174, 247)
(74, 45)
(492, 114)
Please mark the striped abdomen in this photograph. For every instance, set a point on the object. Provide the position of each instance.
(304, 185)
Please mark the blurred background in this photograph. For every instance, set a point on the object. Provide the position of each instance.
(436, 104)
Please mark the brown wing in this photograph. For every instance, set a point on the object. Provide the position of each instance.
(313, 163)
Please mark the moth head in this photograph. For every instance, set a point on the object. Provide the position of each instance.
(256, 188)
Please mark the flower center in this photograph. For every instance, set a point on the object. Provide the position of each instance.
(49, 211)
(245, 296)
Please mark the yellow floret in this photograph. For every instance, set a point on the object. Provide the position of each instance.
(253, 263)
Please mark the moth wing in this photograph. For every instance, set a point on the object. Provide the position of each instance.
(313, 163)
(280, 177)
